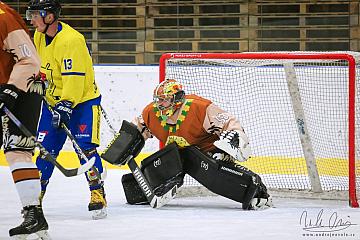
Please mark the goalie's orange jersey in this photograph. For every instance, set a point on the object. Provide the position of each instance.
(198, 122)
(19, 60)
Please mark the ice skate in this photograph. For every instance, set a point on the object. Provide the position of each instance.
(261, 203)
(34, 224)
(97, 205)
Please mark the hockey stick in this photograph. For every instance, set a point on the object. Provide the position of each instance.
(44, 154)
(106, 117)
(154, 200)
(75, 144)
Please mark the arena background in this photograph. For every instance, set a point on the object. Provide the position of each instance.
(139, 31)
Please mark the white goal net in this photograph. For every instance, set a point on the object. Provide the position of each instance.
(300, 111)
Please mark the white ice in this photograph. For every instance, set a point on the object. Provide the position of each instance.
(197, 218)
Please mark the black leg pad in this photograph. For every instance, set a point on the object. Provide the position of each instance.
(132, 190)
(163, 169)
(226, 179)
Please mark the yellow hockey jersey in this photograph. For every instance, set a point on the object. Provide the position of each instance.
(67, 65)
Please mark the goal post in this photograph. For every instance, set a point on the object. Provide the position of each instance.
(295, 96)
(298, 109)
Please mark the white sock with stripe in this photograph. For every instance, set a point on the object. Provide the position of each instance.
(27, 182)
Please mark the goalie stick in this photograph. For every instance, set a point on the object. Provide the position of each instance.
(45, 154)
(154, 200)
(76, 145)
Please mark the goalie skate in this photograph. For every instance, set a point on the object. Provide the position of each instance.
(261, 203)
(159, 201)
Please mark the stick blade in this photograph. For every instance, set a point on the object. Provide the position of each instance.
(86, 166)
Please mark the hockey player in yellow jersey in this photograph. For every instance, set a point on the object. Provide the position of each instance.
(72, 93)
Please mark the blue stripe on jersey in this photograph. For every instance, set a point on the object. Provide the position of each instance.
(73, 73)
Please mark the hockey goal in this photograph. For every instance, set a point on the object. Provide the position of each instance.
(299, 109)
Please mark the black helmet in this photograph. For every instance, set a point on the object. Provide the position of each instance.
(52, 6)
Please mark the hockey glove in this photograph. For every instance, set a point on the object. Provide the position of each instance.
(62, 113)
(8, 95)
(235, 144)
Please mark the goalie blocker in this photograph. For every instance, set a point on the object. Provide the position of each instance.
(127, 143)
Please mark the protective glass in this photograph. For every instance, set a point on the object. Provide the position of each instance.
(31, 14)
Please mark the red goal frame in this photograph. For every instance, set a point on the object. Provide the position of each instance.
(353, 201)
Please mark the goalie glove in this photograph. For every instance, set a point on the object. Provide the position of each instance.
(235, 144)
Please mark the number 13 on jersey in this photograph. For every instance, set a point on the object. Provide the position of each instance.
(68, 64)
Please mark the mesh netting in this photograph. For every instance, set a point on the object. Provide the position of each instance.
(256, 92)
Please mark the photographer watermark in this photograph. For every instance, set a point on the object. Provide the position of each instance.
(327, 224)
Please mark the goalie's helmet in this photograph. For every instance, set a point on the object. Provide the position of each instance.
(52, 6)
(169, 96)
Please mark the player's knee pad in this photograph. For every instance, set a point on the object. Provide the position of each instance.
(224, 178)
(163, 170)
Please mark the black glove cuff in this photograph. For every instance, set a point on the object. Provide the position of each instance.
(10, 87)
(8, 94)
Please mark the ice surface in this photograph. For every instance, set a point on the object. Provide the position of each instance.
(198, 218)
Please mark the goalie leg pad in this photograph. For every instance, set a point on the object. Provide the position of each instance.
(128, 142)
(132, 190)
(163, 169)
(226, 179)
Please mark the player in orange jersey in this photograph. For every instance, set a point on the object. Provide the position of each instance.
(19, 93)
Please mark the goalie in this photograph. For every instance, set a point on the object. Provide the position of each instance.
(201, 140)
